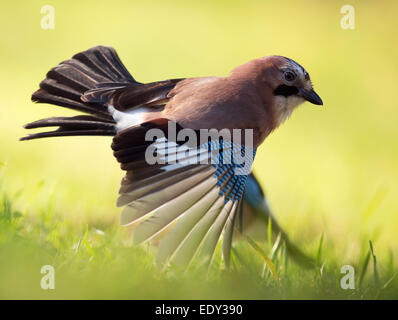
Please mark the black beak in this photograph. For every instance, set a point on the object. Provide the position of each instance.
(310, 96)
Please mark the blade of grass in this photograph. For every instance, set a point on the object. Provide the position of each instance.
(389, 281)
(364, 268)
(87, 244)
(241, 260)
(276, 245)
(261, 252)
(375, 273)
(319, 252)
(285, 260)
(233, 262)
(269, 230)
(391, 261)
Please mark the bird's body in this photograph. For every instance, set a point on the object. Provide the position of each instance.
(233, 98)
(200, 199)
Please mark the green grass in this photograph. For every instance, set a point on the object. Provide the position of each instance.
(93, 263)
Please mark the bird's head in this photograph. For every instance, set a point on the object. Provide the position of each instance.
(282, 82)
(290, 84)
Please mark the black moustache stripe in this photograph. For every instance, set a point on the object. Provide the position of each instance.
(286, 91)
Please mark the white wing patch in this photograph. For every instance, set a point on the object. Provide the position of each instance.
(129, 118)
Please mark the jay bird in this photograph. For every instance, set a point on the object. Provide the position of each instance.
(198, 202)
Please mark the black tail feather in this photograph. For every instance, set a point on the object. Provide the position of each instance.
(86, 83)
(105, 61)
(43, 96)
(71, 126)
(60, 132)
(65, 84)
(83, 122)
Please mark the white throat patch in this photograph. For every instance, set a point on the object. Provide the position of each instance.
(285, 105)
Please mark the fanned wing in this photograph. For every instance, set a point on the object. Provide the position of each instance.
(196, 190)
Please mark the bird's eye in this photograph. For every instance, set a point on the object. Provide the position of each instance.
(289, 76)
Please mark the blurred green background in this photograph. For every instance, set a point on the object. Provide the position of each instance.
(330, 169)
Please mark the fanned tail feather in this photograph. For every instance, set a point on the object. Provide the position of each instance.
(65, 85)
(71, 126)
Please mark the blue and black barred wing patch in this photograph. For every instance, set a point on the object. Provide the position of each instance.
(233, 164)
(192, 192)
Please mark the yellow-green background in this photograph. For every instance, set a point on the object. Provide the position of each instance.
(331, 169)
